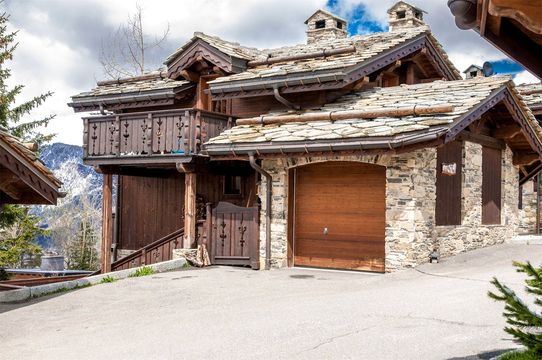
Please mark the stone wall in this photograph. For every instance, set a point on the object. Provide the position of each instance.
(471, 234)
(527, 215)
(411, 233)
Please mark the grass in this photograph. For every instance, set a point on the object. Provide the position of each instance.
(142, 271)
(519, 355)
(108, 279)
(63, 290)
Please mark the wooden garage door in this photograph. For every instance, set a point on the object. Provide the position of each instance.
(340, 216)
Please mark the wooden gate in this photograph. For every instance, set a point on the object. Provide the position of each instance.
(235, 235)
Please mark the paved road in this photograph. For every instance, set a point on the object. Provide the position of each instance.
(437, 311)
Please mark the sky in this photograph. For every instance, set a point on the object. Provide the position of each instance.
(60, 40)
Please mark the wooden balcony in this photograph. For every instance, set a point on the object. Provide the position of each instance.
(149, 137)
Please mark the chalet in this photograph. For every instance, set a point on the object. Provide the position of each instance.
(365, 152)
(23, 177)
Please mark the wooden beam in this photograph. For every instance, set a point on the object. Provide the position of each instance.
(190, 75)
(189, 210)
(107, 222)
(525, 158)
(507, 131)
(481, 139)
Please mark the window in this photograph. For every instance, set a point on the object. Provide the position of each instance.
(339, 25)
(491, 185)
(473, 73)
(449, 179)
(232, 185)
(320, 24)
(418, 15)
(401, 14)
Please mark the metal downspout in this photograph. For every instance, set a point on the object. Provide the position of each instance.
(268, 197)
(283, 100)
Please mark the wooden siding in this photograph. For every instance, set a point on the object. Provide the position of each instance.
(150, 208)
(254, 106)
(491, 185)
(334, 233)
(448, 203)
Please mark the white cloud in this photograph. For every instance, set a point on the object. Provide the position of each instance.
(525, 77)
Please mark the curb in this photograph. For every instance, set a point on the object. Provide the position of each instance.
(23, 294)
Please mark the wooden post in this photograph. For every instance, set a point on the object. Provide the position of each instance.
(189, 209)
(209, 226)
(107, 223)
(410, 76)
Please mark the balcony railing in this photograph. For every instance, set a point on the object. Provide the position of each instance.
(172, 132)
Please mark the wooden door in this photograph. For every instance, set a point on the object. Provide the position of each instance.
(235, 235)
(339, 216)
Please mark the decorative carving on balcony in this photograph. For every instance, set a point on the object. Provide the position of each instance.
(166, 132)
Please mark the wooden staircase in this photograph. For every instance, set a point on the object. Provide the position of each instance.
(155, 252)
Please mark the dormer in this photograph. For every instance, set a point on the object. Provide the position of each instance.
(325, 26)
(402, 15)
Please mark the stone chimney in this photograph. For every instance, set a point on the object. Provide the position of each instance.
(324, 26)
(473, 71)
(403, 15)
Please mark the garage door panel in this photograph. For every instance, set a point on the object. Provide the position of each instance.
(327, 205)
(376, 265)
(340, 249)
(337, 225)
(349, 200)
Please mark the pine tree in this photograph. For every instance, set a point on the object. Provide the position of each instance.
(17, 227)
(11, 115)
(526, 324)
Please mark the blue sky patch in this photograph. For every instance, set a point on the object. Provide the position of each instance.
(358, 22)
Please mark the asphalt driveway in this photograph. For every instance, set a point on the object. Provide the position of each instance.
(437, 311)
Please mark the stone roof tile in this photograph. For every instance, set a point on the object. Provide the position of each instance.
(531, 94)
(462, 94)
(367, 46)
(133, 85)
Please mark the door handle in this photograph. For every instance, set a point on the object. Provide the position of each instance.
(325, 231)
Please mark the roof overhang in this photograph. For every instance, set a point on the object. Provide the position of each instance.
(150, 97)
(334, 78)
(21, 182)
(199, 49)
(514, 27)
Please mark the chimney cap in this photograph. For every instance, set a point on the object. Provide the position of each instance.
(326, 13)
(390, 10)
